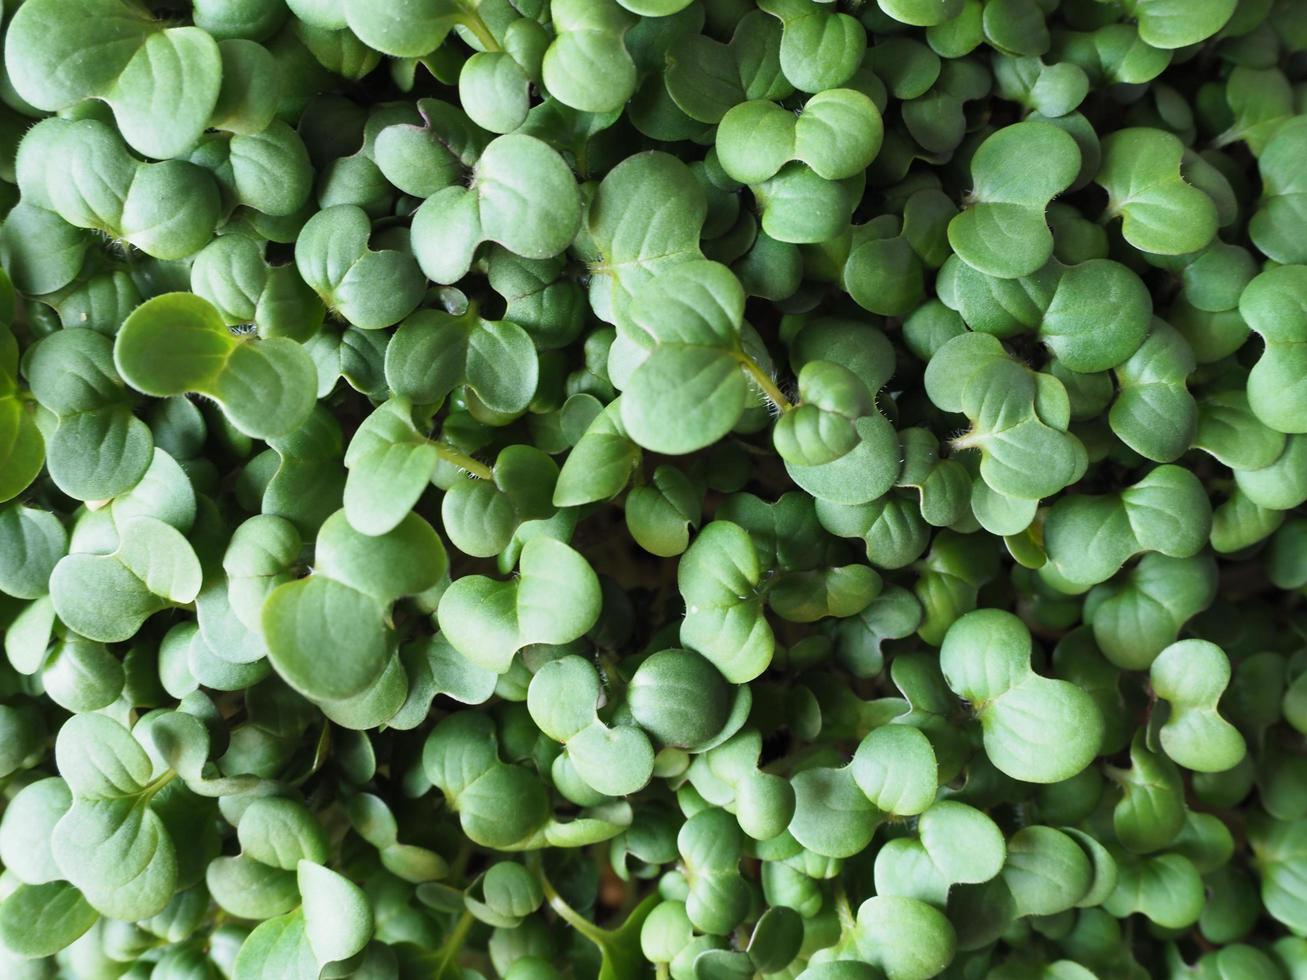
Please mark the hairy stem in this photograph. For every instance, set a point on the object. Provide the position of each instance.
(568, 914)
(848, 922)
(763, 380)
(462, 460)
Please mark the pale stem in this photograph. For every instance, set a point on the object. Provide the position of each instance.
(763, 380)
(473, 22)
(462, 460)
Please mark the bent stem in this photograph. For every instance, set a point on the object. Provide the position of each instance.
(568, 914)
(763, 380)
(565, 912)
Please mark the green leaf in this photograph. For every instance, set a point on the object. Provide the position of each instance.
(33, 541)
(338, 616)
(494, 91)
(895, 768)
(168, 209)
(645, 217)
(1136, 616)
(42, 252)
(691, 389)
(281, 832)
(250, 889)
(324, 638)
(1025, 450)
(118, 852)
(370, 289)
(616, 761)
(1166, 888)
(1167, 24)
(178, 343)
(587, 66)
(481, 516)
(522, 196)
(718, 577)
(660, 514)
(962, 842)
(108, 597)
(832, 816)
(337, 914)
(1161, 212)
(277, 947)
(1192, 675)
(601, 462)
(41, 920)
(390, 465)
(22, 450)
(710, 845)
(1279, 850)
(1154, 413)
(555, 599)
(99, 448)
(921, 13)
(1074, 325)
(1151, 810)
(805, 597)
(819, 49)
(434, 352)
(405, 561)
(1004, 232)
(837, 134)
(906, 938)
(859, 476)
(161, 82)
(26, 828)
(1281, 207)
(822, 428)
(1088, 538)
(1046, 872)
(705, 78)
(1035, 729)
(1272, 304)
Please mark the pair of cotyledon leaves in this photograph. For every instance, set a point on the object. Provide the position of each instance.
(1003, 232)
(107, 839)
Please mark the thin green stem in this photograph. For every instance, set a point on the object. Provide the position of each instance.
(473, 22)
(763, 380)
(462, 460)
(1231, 135)
(148, 792)
(453, 944)
(570, 915)
(459, 867)
(848, 922)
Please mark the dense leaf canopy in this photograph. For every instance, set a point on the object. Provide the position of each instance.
(653, 489)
